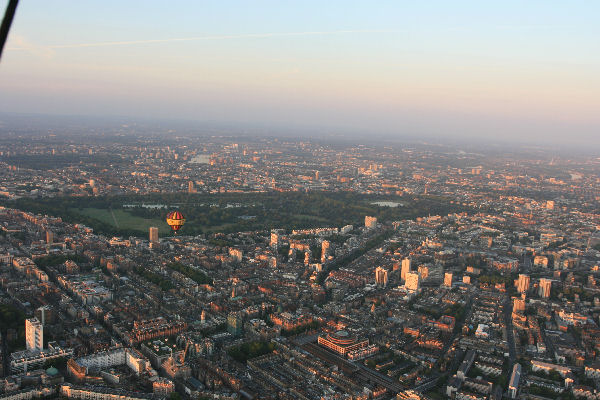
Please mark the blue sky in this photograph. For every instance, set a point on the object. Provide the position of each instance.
(520, 70)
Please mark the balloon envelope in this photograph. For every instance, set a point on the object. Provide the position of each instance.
(175, 220)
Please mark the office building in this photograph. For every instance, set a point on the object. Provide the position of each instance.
(544, 288)
(381, 276)
(153, 234)
(523, 283)
(34, 334)
(191, 187)
(49, 237)
(405, 269)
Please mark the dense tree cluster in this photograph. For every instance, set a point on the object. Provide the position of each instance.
(45, 162)
(247, 351)
(229, 212)
(10, 317)
(162, 282)
(197, 276)
(57, 259)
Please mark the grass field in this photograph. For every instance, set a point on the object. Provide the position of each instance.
(122, 219)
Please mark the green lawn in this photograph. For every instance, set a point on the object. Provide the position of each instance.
(123, 219)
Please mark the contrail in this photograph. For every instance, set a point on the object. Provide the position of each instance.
(212, 37)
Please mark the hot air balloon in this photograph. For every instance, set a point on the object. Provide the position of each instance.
(175, 220)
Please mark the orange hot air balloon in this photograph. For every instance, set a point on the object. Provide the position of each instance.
(175, 220)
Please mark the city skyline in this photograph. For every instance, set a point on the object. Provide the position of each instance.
(306, 269)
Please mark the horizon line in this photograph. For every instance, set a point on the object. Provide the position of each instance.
(208, 37)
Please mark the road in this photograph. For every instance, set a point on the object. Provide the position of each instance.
(549, 344)
(512, 353)
(526, 264)
(5, 361)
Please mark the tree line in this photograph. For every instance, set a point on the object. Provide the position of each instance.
(234, 212)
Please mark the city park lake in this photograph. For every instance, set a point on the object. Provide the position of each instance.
(387, 204)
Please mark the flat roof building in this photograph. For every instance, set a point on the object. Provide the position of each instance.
(513, 385)
(342, 342)
(34, 334)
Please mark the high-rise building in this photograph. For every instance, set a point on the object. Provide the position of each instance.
(49, 237)
(234, 323)
(518, 304)
(381, 276)
(34, 334)
(405, 268)
(274, 239)
(513, 385)
(316, 175)
(191, 187)
(325, 250)
(153, 234)
(412, 282)
(544, 287)
(448, 279)
(523, 283)
(370, 222)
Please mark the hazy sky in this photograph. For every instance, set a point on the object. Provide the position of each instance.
(507, 69)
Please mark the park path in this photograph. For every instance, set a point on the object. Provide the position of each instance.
(114, 218)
